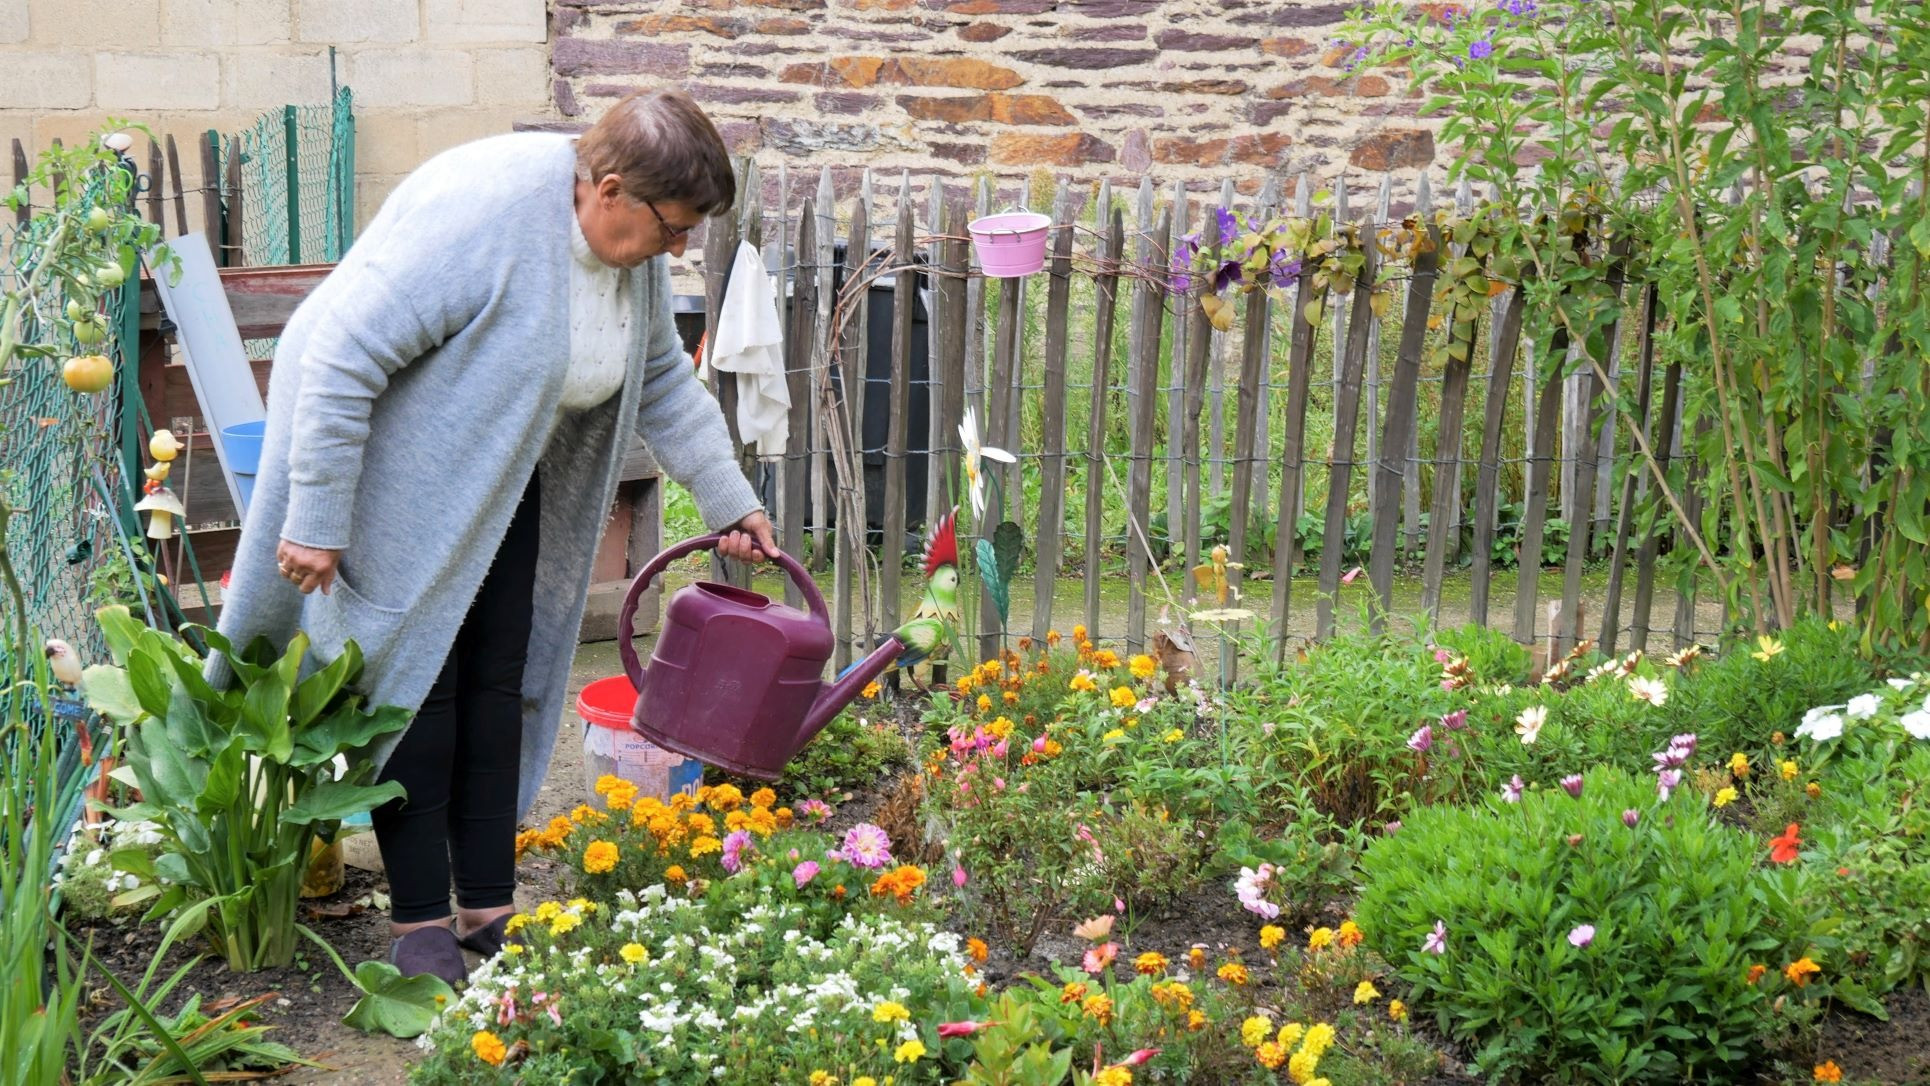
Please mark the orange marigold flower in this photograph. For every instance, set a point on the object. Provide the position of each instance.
(1756, 973)
(674, 874)
(1786, 848)
(872, 689)
(599, 858)
(1196, 957)
(1072, 992)
(1010, 698)
(488, 1048)
(724, 797)
(1233, 973)
(1270, 1055)
(1350, 933)
(1079, 632)
(785, 817)
(1827, 1071)
(977, 949)
(1152, 963)
(1195, 1021)
(764, 798)
(1098, 1008)
(1105, 658)
(1800, 970)
(1174, 995)
(900, 883)
(1052, 637)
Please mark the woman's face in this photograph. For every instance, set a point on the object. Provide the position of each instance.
(623, 232)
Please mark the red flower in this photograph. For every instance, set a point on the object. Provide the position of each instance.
(1784, 849)
(961, 1029)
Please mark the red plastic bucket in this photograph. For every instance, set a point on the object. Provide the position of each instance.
(611, 747)
(1011, 244)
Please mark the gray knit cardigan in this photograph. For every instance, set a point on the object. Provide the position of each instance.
(413, 393)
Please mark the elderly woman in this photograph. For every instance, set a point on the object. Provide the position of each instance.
(446, 422)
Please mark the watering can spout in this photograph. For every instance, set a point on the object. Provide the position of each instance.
(847, 687)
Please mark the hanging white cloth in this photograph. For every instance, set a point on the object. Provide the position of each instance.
(749, 342)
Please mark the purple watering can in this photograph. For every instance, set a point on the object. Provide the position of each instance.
(737, 679)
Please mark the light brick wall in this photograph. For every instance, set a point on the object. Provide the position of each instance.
(427, 74)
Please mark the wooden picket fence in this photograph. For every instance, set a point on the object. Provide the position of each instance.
(1546, 427)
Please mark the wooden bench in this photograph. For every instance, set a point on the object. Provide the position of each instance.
(262, 300)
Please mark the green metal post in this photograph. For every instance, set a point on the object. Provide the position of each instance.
(291, 150)
(345, 182)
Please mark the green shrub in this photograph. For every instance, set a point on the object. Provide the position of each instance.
(1872, 850)
(1661, 992)
(853, 753)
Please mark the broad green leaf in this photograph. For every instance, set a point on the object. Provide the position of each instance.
(224, 781)
(171, 780)
(394, 1004)
(264, 716)
(334, 800)
(346, 730)
(988, 573)
(135, 860)
(120, 630)
(314, 693)
(148, 676)
(110, 694)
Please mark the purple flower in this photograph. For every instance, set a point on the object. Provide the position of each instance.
(1482, 49)
(865, 845)
(1686, 740)
(1391, 828)
(1229, 225)
(1667, 782)
(1282, 270)
(805, 872)
(1572, 784)
(1455, 720)
(1437, 940)
(1511, 792)
(735, 843)
(1230, 272)
(1630, 817)
(1421, 740)
(1583, 935)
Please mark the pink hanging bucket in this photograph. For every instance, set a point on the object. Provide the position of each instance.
(1011, 244)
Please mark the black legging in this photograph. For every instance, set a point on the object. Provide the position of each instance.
(461, 758)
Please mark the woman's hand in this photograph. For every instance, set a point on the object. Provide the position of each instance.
(307, 567)
(750, 540)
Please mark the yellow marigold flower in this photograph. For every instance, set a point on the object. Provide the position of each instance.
(564, 923)
(1724, 797)
(1195, 1021)
(582, 813)
(1010, 698)
(1152, 963)
(785, 817)
(1053, 748)
(1365, 992)
(1113, 1076)
(1115, 733)
(584, 904)
(764, 799)
(1270, 1055)
(1174, 736)
(864, 1080)
(600, 857)
(965, 683)
(1254, 1030)
(606, 782)
(909, 1052)
(1082, 683)
(1105, 659)
(515, 924)
(620, 799)
(1143, 666)
(985, 703)
(674, 874)
(1789, 770)
(1350, 934)
(1098, 1008)
(1800, 970)
(1739, 764)
(1123, 697)
(1320, 1038)
(1174, 995)
(704, 846)
(871, 689)
(1233, 973)
(488, 1048)
(1073, 992)
(1321, 939)
(1079, 632)
(1000, 727)
(725, 797)
(1272, 935)
(1397, 1011)
(977, 949)
(737, 820)
(889, 1012)
(634, 953)
(823, 1078)
(702, 824)
(547, 911)
(761, 822)
(1301, 1066)
(1290, 1034)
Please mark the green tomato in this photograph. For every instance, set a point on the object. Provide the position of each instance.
(75, 311)
(88, 332)
(98, 220)
(110, 275)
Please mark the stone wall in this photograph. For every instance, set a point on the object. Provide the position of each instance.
(1192, 90)
(427, 74)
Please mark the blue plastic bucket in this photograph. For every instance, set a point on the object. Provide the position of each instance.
(243, 445)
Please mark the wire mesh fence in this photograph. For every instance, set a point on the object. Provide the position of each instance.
(298, 171)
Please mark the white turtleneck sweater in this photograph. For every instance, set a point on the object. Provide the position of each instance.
(599, 326)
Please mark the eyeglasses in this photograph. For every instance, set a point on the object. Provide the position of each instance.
(671, 234)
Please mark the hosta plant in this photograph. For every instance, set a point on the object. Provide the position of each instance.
(240, 780)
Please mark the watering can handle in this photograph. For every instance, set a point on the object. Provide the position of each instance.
(626, 626)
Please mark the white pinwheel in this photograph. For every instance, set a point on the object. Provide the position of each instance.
(974, 479)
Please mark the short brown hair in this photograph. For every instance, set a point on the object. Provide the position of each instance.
(664, 148)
